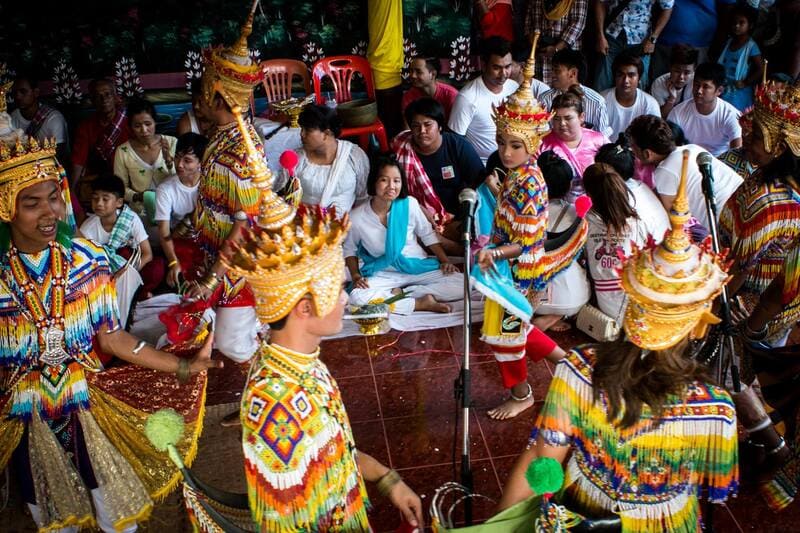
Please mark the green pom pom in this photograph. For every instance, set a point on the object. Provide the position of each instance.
(544, 475)
(163, 428)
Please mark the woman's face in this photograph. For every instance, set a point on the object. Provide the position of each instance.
(512, 150)
(567, 123)
(312, 138)
(143, 126)
(389, 183)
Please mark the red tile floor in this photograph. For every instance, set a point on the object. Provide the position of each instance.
(398, 391)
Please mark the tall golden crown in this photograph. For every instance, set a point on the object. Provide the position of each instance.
(776, 111)
(521, 114)
(230, 71)
(673, 284)
(23, 165)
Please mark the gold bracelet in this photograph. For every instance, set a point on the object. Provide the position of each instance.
(210, 282)
(386, 483)
(183, 373)
(172, 263)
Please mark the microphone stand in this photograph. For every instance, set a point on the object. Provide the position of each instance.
(726, 354)
(462, 383)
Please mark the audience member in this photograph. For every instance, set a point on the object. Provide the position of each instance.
(675, 86)
(495, 18)
(568, 68)
(561, 25)
(116, 228)
(626, 101)
(382, 253)
(438, 166)
(146, 158)
(784, 52)
(741, 58)
(98, 136)
(193, 120)
(332, 171)
(422, 73)
(569, 139)
(175, 201)
(625, 26)
(472, 111)
(615, 226)
(37, 119)
(653, 144)
(707, 119)
(647, 205)
(520, 53)
(567, 292)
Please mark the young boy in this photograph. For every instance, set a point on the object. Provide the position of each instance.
(120, 232)
(175, 199)
(675, 86)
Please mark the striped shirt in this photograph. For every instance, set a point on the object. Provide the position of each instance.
(594, 108)
(568, 29)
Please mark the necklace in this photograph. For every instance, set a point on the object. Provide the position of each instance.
(49, 323)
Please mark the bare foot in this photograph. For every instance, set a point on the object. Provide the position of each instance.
(510, 408)
(561, 326)
(545, 322)
(429, 303)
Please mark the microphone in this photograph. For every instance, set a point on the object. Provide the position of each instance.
(704, 160)
(467, 201)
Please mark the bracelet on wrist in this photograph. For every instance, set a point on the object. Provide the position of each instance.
(183, 373)
(759, 335)
(387, 482)
(497, 254)
(138, 348)
(172, 263)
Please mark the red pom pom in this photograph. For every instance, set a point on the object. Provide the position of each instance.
(288, 160)
(582, 205)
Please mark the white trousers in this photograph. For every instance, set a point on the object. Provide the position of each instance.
(101, 515)
(443, 287)
(236, 332)
(127, 284)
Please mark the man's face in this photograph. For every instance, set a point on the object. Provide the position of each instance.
(754, 147)
(105, 203)
(419, 75)
(39, 207)
(24, 96)
(705, 91)
(187, 165)
(644, 156)
(626, 79)
(679, 75)
(563, 77)
(104, 98)
(330, 324)
(425, 131)
(496, 71)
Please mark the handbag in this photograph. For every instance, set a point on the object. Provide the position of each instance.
(597, 324)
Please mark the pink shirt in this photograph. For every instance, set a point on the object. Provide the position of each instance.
(579, 158)
(445, 95)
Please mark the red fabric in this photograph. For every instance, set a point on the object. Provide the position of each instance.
(153, 274)
(445, 94)
(190, 256)
(88, 134)
(498, 21)
(513, 372)
(537, 347)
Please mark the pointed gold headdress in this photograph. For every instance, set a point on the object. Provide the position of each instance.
(22, 166)
(673, 284)
(230, 71)
(521, 114)
(776, 112)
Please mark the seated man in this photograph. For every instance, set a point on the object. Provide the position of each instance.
(193, 120)
(303, 469)
(422, 73)
(332, 171)
(120, 232)
(175, 201)
(37, 119)
(675, 86)
(707, 119)
(653, 144)
(568, 68)
(438, 162)
(626, 101)
(98, 136)
(472, 111)
(383, 238)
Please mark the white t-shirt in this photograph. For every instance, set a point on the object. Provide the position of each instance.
(660, 92)
(667, 176)
(714, 131)
(471, 115)
(174, 200)
(649, 208)
(366, 229)
(54, 126)
(92, 229)
(620, 117)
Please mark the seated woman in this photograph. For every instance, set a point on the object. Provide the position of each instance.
(193, 120)
(569, 139)
(614, 227)
(635, 412)
(383, 238)
(332, 172)
(438, 165)
(568, 291)
(147, 158)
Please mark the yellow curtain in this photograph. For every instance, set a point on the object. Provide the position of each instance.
(385, 52)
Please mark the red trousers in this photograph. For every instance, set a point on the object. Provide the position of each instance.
(537, 346)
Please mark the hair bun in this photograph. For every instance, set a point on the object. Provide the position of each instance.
(577, 90)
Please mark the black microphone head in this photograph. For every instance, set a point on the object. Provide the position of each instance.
(467, 195)
(704, 159)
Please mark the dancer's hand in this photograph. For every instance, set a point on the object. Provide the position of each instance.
(484, 259)
(360, 282)
(197, 292)
(408, 503)
(493, 182)
(202, 359)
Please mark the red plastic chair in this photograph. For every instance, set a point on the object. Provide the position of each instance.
(340, 70)
(278, 77)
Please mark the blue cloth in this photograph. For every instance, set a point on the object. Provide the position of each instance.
(692, 22)
(499, 286)
(395, 242)
(737, 67)
(484, 213)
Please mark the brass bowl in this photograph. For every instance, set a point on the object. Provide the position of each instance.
(357, 113)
